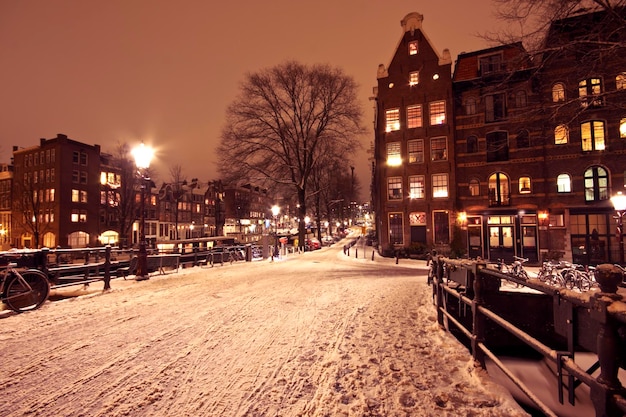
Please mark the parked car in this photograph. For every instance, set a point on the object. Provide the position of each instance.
(312, 244)
(327, 240)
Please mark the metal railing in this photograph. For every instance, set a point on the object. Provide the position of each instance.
(592, 321)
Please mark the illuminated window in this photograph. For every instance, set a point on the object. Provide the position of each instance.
(414, 78)
(416, 151)
(394, 158)
(564, 183)
(474, 187)
(414, 116)
(620, 81)
(416, 186)
(438, 149)
(413, 48)
(596, 184)
(78, 216)
(592, 135)
(499, 189)
(437, 111)
(622, 128)
(589, 91)
(470, 106)
(561, 135)
(395, 229)
(394, 188)
(440, 185)
(524, 185)
(392, 120)
(558, 92)
(75, 196)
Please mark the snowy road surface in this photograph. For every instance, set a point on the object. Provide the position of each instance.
(318, 334)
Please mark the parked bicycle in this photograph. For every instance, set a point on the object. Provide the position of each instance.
(549, 273)
(23, 290)
(578, 277)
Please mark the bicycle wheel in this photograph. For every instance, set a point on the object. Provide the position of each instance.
(19, 297)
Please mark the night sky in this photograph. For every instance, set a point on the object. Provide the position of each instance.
(163, 71)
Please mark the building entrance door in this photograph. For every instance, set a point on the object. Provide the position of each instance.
(501, 240)
(475, 241)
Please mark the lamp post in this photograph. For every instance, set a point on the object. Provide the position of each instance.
(619, 203)
(275, 212)
(143, 156)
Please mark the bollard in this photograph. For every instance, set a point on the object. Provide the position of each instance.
(373, 251)
(356, 252)
(107, 267)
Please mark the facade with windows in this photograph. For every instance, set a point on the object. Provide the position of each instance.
(537, 149)
(69, 194)
(414, 179)
(498, 153)
(540, 148)
(56, 194)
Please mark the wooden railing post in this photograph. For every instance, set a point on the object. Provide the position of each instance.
(478, 320)
(438, 284)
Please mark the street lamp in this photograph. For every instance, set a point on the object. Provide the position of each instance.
(619, 203)
(275, 212)
(143, 156)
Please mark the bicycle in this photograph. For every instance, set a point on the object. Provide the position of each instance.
(23, 290)
(549, 274)
(579, 277)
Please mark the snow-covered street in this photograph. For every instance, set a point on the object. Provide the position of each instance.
(316, 334)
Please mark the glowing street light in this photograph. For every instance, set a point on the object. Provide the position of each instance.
(143, 156)
(619, 203)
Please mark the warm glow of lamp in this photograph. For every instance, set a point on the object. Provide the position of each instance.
(275, 210)
(143, 156)
(619, 201)
(462, 217)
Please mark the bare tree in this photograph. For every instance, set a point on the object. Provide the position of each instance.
(35, 204)
(179, 182)
(285, 119)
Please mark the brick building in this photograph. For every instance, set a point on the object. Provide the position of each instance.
(414, 172)
(537, 145)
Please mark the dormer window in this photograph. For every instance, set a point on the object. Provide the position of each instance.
(490, 64)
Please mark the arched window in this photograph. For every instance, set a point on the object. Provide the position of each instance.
(596, 184)
(524, 185)
(564, 183)
(558, 92)
(472, 144)
(592, 135)
(561, 135)
(474, 187)
(499, 189)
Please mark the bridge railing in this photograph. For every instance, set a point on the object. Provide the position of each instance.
(566, 321)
